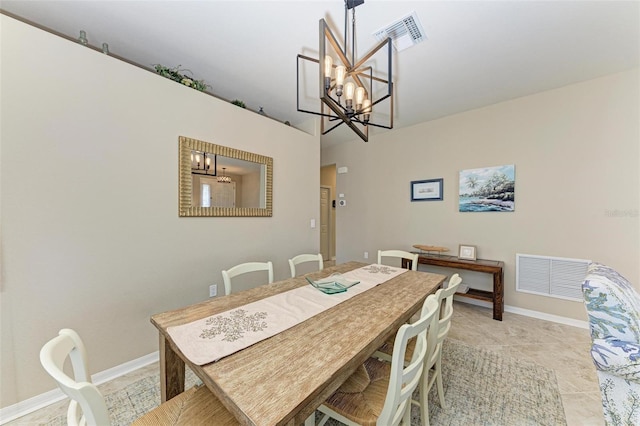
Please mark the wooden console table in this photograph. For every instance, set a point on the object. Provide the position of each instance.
(493, 267)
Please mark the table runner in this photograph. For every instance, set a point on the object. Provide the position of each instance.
(210, 339)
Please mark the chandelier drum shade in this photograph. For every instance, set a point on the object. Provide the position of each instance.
(349, 89)
(224, 178)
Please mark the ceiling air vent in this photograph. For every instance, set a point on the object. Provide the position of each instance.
(404, 33)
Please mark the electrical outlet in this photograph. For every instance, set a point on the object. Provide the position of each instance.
(366, 254)
(213, 290)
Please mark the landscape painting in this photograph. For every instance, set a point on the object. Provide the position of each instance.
(489, 189)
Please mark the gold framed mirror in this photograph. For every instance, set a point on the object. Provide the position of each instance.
(216, 180)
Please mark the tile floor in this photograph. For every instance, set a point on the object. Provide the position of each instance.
(562, 348)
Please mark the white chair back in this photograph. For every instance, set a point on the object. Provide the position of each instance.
(244, 268)
(445, 298)
(435, 339)
(303, 258)
(87, 403)
(405, 379)
(413, 257)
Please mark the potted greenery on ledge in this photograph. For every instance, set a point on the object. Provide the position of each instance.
(176, 74)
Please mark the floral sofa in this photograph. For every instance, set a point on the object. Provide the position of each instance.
(613, 306)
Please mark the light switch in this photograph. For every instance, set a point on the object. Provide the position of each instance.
(313, 223)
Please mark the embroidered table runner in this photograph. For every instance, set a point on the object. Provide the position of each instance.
(210, 339)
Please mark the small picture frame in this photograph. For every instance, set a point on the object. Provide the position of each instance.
(426, 190)
(466, 252)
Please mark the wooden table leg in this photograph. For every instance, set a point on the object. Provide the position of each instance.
(171, 371)
(498, 299)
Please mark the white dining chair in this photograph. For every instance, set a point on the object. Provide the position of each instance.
(88, 407)
(433, 362)
(435, 338)
(413, 257)
(304, 258)
(244, 268)
(362, 396)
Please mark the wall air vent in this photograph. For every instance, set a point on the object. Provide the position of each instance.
(404, 33)
(551, 276)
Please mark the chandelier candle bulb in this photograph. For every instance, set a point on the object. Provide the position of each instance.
(349, 90)
(328, 67)
(366, 110)
(359, 97)
(341, 72)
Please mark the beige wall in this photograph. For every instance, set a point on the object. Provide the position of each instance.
(251, 189)
(576, 152)
(91, 237)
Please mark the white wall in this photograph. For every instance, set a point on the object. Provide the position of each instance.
(91, 237)
(576, 152)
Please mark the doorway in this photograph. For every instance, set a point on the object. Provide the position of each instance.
(328, 212)
(325, 222)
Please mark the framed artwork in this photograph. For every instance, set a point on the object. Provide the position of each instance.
(466, 252)
(426, 190)
(489, 189)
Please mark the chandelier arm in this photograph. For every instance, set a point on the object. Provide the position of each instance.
(325, 31)
(300, 56)
(354, 70)
(316, 113)
(362, 73)
(339, 124)
(377, 101)
(382, 126)
(347, 120)
(308, 58)
(373, 52)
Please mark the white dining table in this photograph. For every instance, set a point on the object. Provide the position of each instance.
(281, 380)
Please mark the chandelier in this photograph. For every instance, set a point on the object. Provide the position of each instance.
(201, 163)
(347, 86)
(224, 178)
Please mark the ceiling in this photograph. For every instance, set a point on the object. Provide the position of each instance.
(477, 52)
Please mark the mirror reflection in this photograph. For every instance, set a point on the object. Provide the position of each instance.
(219, 181)
(222, 181)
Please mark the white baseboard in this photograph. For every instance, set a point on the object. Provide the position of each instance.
(37, 402)
(527, 313)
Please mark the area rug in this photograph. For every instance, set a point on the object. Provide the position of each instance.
(481, 388)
